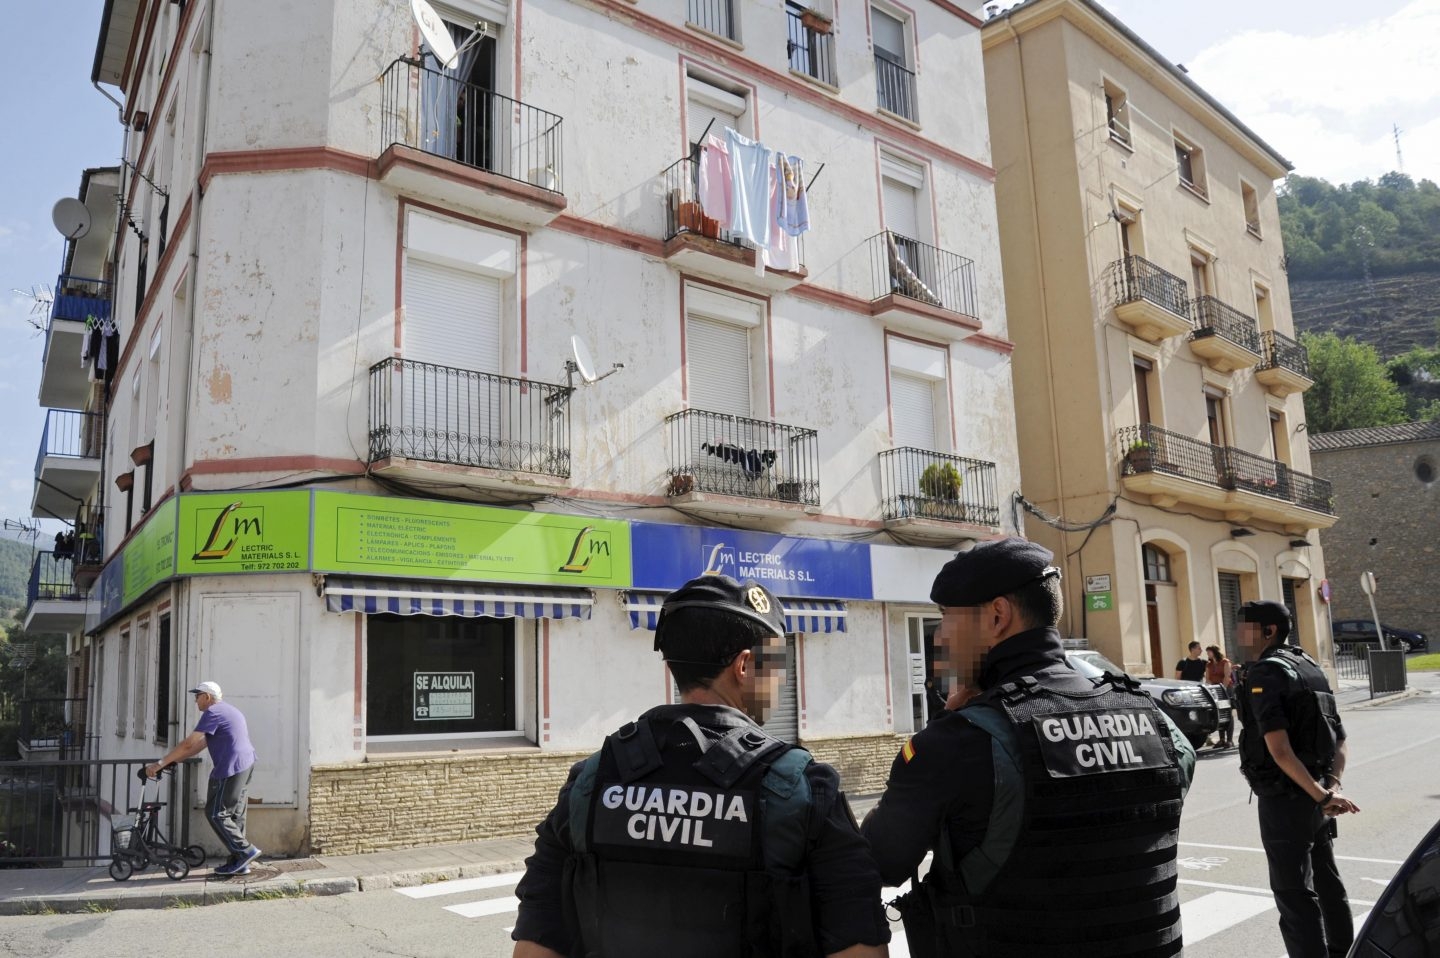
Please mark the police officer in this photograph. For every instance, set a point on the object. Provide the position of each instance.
(1051, 801)
(692, 831)
(1292, 751)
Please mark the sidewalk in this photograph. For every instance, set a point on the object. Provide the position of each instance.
(29, 891)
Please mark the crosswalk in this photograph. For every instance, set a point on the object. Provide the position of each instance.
(477, 908)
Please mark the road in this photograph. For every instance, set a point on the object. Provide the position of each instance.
(1226, 901)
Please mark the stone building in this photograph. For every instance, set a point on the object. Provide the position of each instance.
(1389, 505)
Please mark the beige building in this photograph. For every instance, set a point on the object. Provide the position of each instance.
(1158, 383)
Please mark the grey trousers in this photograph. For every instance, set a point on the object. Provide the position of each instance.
(225, 809)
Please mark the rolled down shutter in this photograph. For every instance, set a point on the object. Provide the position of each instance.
(452, 316)
(902, 213)
(912, 409)
(709, 106)
(1229, 584)
(717, 366)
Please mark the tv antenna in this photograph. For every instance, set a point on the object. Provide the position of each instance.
(42, 298)
(21, 526)
(71, 217)
(437, 34)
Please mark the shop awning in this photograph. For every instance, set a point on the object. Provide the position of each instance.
(469, 599)
(801, 615)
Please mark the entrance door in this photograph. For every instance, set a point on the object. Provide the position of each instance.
(1152, 622)
(920, 632)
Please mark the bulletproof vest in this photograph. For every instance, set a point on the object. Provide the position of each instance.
(1314, 722)
(1099, 815)
(691, 840)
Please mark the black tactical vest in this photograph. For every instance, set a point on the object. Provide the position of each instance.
(1310, 708)
(1090, 869)
(690, 840)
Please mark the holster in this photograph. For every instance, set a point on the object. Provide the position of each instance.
(919, 920)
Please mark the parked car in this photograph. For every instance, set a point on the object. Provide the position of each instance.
(1196, 709)
(1350, 634)
(1405, 921)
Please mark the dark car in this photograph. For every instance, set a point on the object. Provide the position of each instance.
(1352, 634)
(1405, 921)
(1196, 709)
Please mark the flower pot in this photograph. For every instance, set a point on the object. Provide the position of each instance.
(681, 485)
(1139, 460)
(689, 216)
(788, 491)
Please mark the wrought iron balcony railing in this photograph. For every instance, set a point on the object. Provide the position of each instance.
(895, 87)
(1280, 351)
(735, 456)
(1215, 318)
(443, 115)
(906, 267)
(811, 52)
(1149, 448)
(79, 298)
(468, 418)
(920, 484)
(69, 434)
(1134, 278)
(683, 213)
(714, 16)
(52, 577)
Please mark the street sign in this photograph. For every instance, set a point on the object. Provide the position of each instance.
(1099, 601)
(1368, 585)
(1097, 583)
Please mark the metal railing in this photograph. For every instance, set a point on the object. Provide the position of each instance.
(1135, 278)
(810, 51)
(468, 418)
(1352, 659)
(56, 724)
(79, 298)
(895, 88)
(920, 484)
(69, 434)
(735, 456)
(683, 213)
(1280, 351)
(443, 115)
(713, 16)
(52, 577)
(1215, 318)
(907, 267)
(1149, 448)
(53, 812)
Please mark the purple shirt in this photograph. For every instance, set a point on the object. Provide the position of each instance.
(228, 739)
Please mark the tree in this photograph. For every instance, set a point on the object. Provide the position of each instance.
(1352, 388)
(36, 673)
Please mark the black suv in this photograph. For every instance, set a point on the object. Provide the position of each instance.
(1352, 635)
(1196, 709)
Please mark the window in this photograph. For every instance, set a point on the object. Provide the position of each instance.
(902, 187)
(1279, 436)
(1157, 563)
(719, 368)
(1200, 274)
(1264, 312)
(715, 16)
(1252, 208)
(1117, 113)
(709, 108)
(1215, 416)
(441, 676)
(1425, 469)
(1228, 585)
(162, 682)
(809, 44)
(1190, 162)
(463, 119)
(917, 375)
(122, 685)
(1127, 219)
(142, 674)
(1144, 382)
(894, 77)
(920, 634)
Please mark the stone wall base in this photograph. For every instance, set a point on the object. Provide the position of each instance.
(863, 761)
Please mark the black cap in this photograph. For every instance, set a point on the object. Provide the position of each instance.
(748, 600)
(991, 569)
(1265, 612)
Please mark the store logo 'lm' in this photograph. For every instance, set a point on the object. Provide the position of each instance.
(230, 525)
(720, 560)
(588, 544)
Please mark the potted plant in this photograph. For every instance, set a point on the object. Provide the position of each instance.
(1138, 457)
(941, 480)
(681, 484)
(788, 491)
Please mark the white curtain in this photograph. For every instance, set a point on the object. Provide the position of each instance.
(440, 97)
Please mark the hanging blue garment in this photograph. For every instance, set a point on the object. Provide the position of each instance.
(750, 172)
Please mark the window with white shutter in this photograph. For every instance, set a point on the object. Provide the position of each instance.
(709, 106)
(912, 410)
(717, 366)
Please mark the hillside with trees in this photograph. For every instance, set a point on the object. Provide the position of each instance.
(15, 561)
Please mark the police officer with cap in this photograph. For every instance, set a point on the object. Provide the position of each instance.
(1051, 801)
(1292, 752)
(692, 831)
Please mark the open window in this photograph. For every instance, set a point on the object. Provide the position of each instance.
(894, 65)
(1117, 114)
(1190, 165)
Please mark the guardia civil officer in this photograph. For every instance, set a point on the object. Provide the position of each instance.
(1051, 801)
(1292, 752)
(692, 832)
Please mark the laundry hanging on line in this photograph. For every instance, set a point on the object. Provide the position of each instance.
(752, 462)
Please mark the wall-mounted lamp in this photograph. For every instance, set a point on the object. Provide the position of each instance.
(1241, 533)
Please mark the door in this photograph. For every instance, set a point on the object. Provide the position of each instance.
(459, 118)
(784, 720)
(1229, 584)
(1152, 624)
(909, 274)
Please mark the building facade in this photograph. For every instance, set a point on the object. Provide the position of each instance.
(370, 459)
(1385, 493)
(1157, 379)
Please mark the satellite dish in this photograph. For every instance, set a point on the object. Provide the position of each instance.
(71, 218)
(584, 363)
(436, 34)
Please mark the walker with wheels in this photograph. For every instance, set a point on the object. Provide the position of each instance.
(136, 840)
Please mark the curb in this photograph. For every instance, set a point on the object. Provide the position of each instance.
(181, 896)
(1409, 693)
(430, 876)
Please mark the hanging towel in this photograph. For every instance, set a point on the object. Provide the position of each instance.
(782, 252)
(714, 182)
(794, 211)
(750, 176)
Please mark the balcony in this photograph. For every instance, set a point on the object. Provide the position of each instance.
(1171, 468)
(54, 604)
(1226, 338)
(921, 288)
(1154, 303)
(737, 466)
(53, 729)
(1285, 366)
(67, 466)
(64, 383)
(895, 88)
(716, 17)
(930, 495)
(809, 45)
(695, 243)
(462, 145)
(479, 429)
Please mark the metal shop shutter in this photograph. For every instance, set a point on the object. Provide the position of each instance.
(912, 407)
(717, 366)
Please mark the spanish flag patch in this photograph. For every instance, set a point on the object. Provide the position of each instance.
(907, 752)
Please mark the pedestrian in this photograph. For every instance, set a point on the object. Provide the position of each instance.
(694, 832)
(1021, 787)
(1192, 667)
(223, 731)
(1292, 752)
(1218, 671)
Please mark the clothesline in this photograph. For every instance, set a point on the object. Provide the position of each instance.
(705, 132)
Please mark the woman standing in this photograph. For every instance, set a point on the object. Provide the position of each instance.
(1218, 671)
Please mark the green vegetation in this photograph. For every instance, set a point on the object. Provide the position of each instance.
(15, 561)
(1423, 663)
(26, 674)
(940, 480)
(1352, 386)
(1391, 226)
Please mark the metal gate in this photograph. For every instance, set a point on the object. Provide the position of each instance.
(1229, 584)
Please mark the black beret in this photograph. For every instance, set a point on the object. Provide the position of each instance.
(991, 569)
(748, 600)
(1266, 612)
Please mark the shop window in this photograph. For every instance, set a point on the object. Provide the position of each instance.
(440, 676)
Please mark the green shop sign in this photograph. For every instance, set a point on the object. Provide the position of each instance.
(150, 554)
(383, 536)
(230, 532)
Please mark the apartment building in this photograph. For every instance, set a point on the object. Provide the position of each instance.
(370, 460)
(1158, 382)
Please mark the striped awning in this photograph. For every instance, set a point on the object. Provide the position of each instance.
(468, 599)
(801, 615)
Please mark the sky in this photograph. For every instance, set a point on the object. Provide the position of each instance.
(1322, 81)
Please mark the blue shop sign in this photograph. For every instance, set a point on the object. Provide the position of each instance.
(667, 556)
(109, 587)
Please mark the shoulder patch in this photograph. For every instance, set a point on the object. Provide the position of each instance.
(907, 751)
(1256, 689)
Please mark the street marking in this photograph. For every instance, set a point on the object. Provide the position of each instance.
(1213, 913)
(458, 885)
(1201, 864)
(1250, 889)
(491, 906)
(1261, 851)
